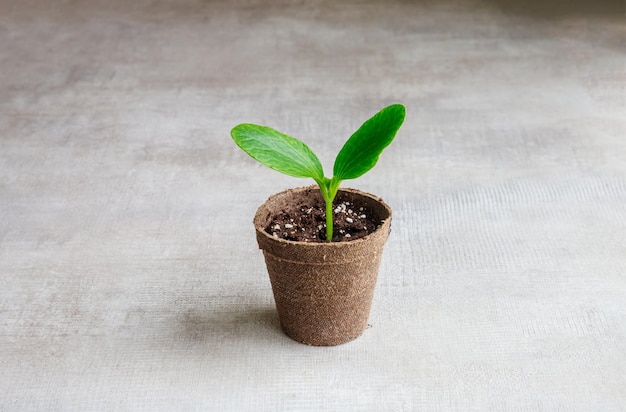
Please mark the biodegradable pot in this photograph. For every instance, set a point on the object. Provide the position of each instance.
(323, 291)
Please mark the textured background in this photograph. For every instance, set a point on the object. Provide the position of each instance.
(130, 274)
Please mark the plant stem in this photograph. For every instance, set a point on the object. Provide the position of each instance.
(329, 188)
(329, 220)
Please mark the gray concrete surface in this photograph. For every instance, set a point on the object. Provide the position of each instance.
(130, 275)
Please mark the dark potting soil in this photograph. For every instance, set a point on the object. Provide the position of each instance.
(306, 222)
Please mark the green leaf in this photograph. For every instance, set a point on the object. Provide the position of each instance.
(361, 151)
(278, 151)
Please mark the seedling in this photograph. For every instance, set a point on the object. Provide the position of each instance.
(292, 157)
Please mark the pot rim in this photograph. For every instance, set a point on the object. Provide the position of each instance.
(383, 222)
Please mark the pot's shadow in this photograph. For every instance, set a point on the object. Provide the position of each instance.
(231, 324)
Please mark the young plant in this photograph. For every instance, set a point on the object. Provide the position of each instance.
(292, 157)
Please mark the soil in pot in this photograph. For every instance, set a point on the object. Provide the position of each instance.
(305, 221)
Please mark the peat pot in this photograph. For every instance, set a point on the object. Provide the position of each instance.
(323, 290)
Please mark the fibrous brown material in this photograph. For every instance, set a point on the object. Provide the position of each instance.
(323, 291)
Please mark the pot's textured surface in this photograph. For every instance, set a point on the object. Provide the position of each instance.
(323, 291)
